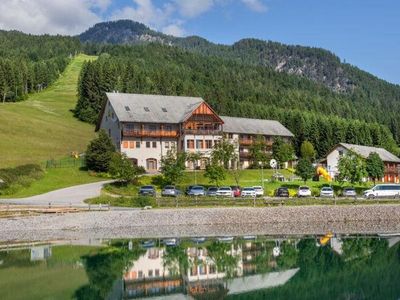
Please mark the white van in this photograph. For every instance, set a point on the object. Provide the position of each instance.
(383, 191)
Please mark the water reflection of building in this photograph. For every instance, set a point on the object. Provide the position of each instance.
(40, 253)
(149, 277)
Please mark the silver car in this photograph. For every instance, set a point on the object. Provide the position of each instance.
(170, 190)
(197, 190)
(327, 192)
(349, 192)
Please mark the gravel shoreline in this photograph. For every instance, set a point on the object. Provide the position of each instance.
(301, 220)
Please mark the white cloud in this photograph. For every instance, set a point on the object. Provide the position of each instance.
(193, 8)
(174, 29)
(256, 5)
(145, 12)
(42, 16)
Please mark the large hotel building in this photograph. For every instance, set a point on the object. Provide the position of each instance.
(145, 127)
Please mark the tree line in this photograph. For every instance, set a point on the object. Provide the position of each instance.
(310, 111)
(30, 63)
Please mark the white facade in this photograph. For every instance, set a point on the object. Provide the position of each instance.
(332, 160)
(111, 125)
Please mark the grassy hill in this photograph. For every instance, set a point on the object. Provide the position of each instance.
(43, 127)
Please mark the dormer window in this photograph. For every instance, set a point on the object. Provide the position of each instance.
(164, 109)
(127, 108)
(146, 109)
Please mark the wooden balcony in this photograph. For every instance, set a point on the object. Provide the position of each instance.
(248, 142)
(392, 170)
(150, 133)
(202, 131)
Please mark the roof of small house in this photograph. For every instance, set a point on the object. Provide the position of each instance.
(255, 126)
(152, 108)
(365, 151)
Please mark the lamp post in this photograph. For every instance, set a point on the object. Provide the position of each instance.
(262, 173)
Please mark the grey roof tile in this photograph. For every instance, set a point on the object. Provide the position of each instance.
(254, 126)
(152, 108)
(365, 151)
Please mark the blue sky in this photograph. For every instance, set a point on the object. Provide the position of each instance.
(365, 33)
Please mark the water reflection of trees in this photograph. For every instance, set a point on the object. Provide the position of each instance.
(365, 269)
(104, 267)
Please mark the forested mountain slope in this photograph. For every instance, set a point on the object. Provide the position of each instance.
(30, 63)
(363, 94)
(311, 111)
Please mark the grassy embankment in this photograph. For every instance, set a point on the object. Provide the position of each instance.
(128, 194)
(43, 127)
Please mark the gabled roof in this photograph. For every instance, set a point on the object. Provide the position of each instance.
(255, 126)
(152, 108)
(365, 151)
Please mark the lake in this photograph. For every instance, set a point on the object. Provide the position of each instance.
(246, 267)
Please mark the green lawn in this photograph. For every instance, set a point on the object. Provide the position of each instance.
(43, 126)
(54, 179)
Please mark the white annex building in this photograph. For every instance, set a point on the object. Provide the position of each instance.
(145, 127)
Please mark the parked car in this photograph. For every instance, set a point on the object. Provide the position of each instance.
(170, 191)
(282, 192)
(212, 191)
(236, 190)
(248, 192)
(170, 242)
(383, 191)
(188, 189)
(327, 192)
(304, 191)
(259, 190)
(197, 190)
(225, 191)
(147, 190)
(349, 192)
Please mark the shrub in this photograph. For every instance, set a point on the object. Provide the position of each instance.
(99, 153)
(21, 176)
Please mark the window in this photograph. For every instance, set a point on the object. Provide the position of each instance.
(153, 127)
(150, 273)
(140, 274)
(127, 108)
(208, 144)
(168, 127)
(193, 271)
(109, 132)
(125, 144)
(137, 144)
(131, 144)
(203, 269)
(154, 144)
(340, 152)
(157, 272)
(167, 145)
(199, 144)
(164, 109)
(212, 269)
(190, 144)
(230, 136)
(146, 109)
(147, 144)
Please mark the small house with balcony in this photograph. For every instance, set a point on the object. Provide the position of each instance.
(145, 127)
(391, 161)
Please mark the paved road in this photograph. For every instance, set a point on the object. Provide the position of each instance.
(73, 196)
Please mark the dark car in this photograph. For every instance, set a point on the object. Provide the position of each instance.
(282, 192)
(236, 190)
(212, 191)
(147, 190)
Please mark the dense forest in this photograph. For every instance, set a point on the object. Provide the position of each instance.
(310, 110)
(366, 97)
(30, 63)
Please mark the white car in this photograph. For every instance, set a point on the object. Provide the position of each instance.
(327, 192)
(304, 191)
(259, 190)
(248, 192)
(383, 191)
(225, 191)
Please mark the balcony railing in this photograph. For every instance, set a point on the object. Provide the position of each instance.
(150, 133)
(392, 170)
(202, 131)
(247, 142)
